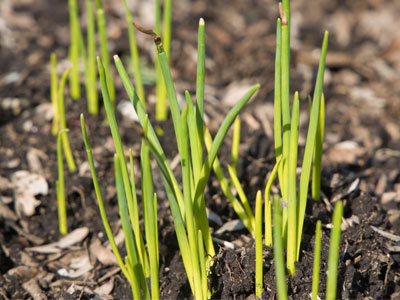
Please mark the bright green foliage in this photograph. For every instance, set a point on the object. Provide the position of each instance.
(279, 259)
(63, 123)
(267, 213)
(54, 93)
(105, 57)
(316, 173)
(90, 67)
(187, 205)
(317, 258)
(134, 54)
(135, 264)
(333, 260)
(286, 131)
(259, 245)
(60, 188)
(74, 48)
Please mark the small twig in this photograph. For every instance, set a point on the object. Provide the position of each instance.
(156, 38)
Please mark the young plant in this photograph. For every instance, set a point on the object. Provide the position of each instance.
(134, 55)
(286, 138)
(316, 173)
(259, 246)
(105, 57)
(90, 62)
(54, 93)
(161, 93)
(60, 187)
(74, 48)
(63, 123)
(187, 205)
(317, 258)
(334, 243)
(136, 266)
(279, 252)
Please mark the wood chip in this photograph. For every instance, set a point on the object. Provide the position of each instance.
(74, 237)
(388, 235)
(32, 287)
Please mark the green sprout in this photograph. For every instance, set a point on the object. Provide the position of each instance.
(258, 246)
(279, 258)
(105, 57)
(54, 93)
(90, 66)
(60, 187)
(317, 258)
(286, 129)
(75, 33)
(333, 259)
(187, 204)
(161, 93)
(137, 266)
(63, 123)
(134, 54)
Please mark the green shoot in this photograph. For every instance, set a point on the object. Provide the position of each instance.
(291, 180)
(135, 267)
(133, 210)
(102, 29)
(63, 123)
(54, 93)
(74, 48)
(235, 144)
(267, 213)
(134, 54)
(279, 258)
(90, 68)
(161, 104)
(334, 243)
(149, 200)
(132, 279)
(310, 144)
(316, 173)
(258, 246)
(317, 258)
(60, 187)
(277, 99)
(201, 53)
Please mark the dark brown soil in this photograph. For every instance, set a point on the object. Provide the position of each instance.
(361, 163)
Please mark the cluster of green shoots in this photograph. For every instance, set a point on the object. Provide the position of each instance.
(283, 218)
(82, 51)
(186, 199)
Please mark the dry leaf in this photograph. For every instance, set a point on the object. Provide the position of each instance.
(74, 237)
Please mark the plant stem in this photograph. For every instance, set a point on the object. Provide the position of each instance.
(259, 245)
(317, 258)
(334, 243)
(316, 173)
(279, 259)
(292, 196)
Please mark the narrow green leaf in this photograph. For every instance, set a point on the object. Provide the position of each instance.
(317, 258)
(310, 144)
(63, 123)
(54, 93)
(134, 54)
(292, 181)
(316, 173)
(60, 187)
(279, 259)
(235, 144)
(333, 260)
(259, 245)
(267, 213)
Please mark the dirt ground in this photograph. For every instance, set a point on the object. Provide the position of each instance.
(361, 162)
